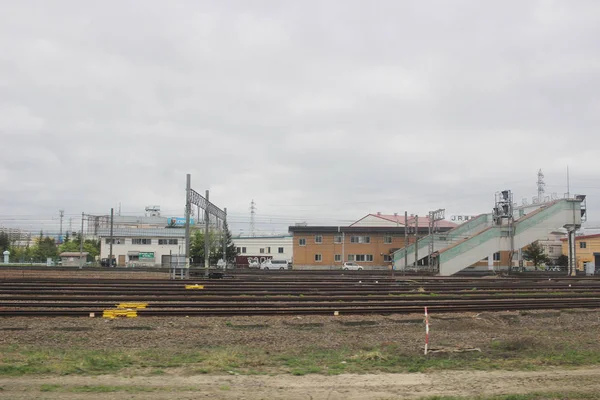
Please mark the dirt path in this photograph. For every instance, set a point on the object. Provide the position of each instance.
(346, 387)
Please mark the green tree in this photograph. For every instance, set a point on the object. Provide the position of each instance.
(215, 247)
(92, 247)
(44, 248)
(562, 261)
(230, 250)
(4, 241)
(535, 253)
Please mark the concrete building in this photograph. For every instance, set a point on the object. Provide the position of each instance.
(73, 259)
(143, 247)
(260, 248)
(587, 249)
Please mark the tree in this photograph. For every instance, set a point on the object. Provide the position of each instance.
(4, 241)
(562, 261)
(535, 253)
(92, 247)
(230, 249)
(215, 247)
(44, 248)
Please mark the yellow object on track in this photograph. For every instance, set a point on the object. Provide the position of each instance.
(112, 314)
(132, 305)
(191, 287)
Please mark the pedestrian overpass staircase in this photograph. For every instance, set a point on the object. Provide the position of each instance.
(440, 241)
(476, 239)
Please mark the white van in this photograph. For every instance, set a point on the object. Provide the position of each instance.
(274, 264)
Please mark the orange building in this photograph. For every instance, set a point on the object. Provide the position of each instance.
(587, 249)
(328, 247)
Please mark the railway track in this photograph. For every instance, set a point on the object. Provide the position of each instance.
(303, 296)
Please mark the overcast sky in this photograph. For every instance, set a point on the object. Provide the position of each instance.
(318, 110)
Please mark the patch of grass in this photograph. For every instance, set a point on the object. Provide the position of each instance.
(111, 389)
(225, 387)
(50, 388)
(157, 372)
(526, 353)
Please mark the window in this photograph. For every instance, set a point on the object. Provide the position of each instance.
(116, 241)
(337, 239)
(280, 250)
(582, 245)
(141, 241)
(496, 256)
(243, 250)
(360, 239)
(387, 258)
(301, 242)
(387, 239)
(359, 257)
(134, 258)
(262, 251)
(268, 250)
(551, 250)
(318, 258)
(318, 239)
(167, 241)
(350, 257)
(238, 250)
(369, 258)
(338, 258)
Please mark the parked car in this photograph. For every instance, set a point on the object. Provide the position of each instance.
(352, 266)
(274, 264)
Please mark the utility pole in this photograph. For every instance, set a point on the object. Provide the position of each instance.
(71, 225)
(430, 234)
(225, 239)
(568, 184)
(62, 214)
(188, 207)
(416, 241)
(206, 244)
(110, 254)
(405, 240)
(81, 244)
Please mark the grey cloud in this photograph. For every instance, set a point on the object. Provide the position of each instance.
(314, 109)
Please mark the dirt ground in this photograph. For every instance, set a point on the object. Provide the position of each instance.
(535, 331)
(315, 387)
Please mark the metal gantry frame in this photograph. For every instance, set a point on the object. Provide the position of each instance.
(503, 210)
(195, 198)
(434, 217)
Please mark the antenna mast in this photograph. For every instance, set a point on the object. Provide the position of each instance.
(540, 186)
(252, 214)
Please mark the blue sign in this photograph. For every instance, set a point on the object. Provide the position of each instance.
(178, 221)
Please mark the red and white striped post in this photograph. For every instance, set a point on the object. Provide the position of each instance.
(426, 330)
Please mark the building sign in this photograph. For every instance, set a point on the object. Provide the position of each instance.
(146, 256)
(178, 221)
(458, 219)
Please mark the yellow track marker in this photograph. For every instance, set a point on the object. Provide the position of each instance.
(191, 287)
(112, 314)
(132, 305)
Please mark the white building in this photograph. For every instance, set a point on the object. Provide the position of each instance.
(143, 247)
(261, 248)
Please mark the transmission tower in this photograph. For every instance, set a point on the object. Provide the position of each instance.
(540, 186)
(252, 215)
(62, 214)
